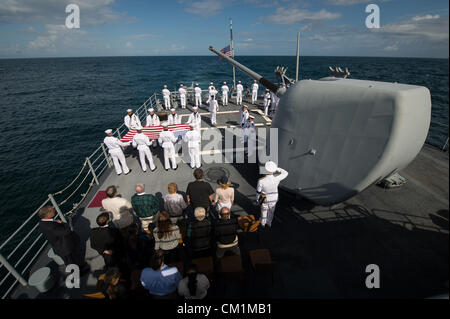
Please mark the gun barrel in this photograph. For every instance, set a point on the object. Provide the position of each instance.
(263, 81)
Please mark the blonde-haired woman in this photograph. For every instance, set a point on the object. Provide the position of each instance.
(174, 203)
(224, 196)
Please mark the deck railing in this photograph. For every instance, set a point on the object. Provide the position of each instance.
(21, 249)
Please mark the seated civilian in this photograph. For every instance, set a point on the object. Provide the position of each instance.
(174, 203)
(119, 207)
(160, 280)
(199, 193)
(224, 196)
(107, 241)
(146, 206)
(225, 232)
(167, 237)
(199, 231)
(113, 286)
(194, 285)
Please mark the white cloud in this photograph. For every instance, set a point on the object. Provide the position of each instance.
(347, 2)
(426, 17)
(206, 8)
(56, 37)
(393, 47)
(295, 16)
(129, 45)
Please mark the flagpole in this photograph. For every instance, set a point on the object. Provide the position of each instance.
(232, 52)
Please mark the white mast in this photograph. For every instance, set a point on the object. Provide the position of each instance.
(298, 56)
(232, 52)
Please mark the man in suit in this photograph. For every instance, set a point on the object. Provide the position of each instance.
(107, 241)
(62, 239)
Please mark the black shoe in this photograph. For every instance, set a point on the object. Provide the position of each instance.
(166, 169)
(154, 169)
(175, 168)
(128, 172)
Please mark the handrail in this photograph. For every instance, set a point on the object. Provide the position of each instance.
(21, 244)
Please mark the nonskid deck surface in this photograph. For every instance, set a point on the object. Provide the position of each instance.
(320, 252)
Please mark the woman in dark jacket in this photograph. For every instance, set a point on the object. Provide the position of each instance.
(199, 232)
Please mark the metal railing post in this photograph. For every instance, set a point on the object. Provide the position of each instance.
(92, 171)
(13, 272)
(108, 160)
(445, 145)
(118, 134)
(58, 210)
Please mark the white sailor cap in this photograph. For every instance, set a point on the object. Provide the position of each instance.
(181, 84)
(251, 117)
(108, 131)
(245, 106)
(151, 109)
(224, 82)
(164, 124)
(239, 81)
(195, 108)
(271, 167)
(172, 110)
(129, 110)
(196, 84)
(211, 83)
(139, 128)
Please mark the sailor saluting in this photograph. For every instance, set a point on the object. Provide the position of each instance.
(195, 118)
(244, 115)
(131, 120)
(267, 191)
(114, 144)
(142, 142)
(267, 102)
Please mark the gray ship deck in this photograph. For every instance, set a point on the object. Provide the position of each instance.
(320, 252)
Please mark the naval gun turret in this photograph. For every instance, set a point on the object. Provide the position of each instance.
(337, 136)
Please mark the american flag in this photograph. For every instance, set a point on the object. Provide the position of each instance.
(225, 51)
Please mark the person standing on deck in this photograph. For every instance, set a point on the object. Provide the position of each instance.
(166, 140)
(173, 118)
(211, 88)
(131, 120)
(195, 118)
(244, 115)
(267, 102)
(239, 90)
(213, 107)
(182, 92)
(193, 139)
(255, 87)
(166, 97)
(198, 95)
(225, 90)
(114, 147)
(152, 120)
(141, 141)
(250, 135)
(146, 206)
(267, 191)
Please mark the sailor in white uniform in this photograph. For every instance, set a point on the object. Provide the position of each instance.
(115, 150)
(244, 115)
(131, 120)
(210, 89)
(195, 118)
(141, 141)
(255, 87)
(182, 92)
(198, 95)
(152, 120)
(173, 118)
(239, 90)
(225, 90)
(250, 135)
(267, 102)
(267, 188)
(166, 140)
(166, 97)
(193, 139)
(213, 108)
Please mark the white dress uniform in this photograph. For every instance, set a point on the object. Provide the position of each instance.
(132, 121)
(173, 119)
(166, 140)
(268, 185)
(239, 90)
(182, 93)
(193, 139)
(213, 107)
(142, 142)
(196, 119)
(275, 99)
(244, 117)
(198, 96)
(267, 102)
(114, 144)
(250, 137)
(166, 97)
(211, 90)
(225, 90)
(153, 120)
(255, 87)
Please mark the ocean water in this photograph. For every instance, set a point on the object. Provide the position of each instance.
(54, 111)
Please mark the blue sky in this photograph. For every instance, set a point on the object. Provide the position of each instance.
(36, 28)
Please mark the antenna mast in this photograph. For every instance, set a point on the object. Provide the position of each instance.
(232, 52)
